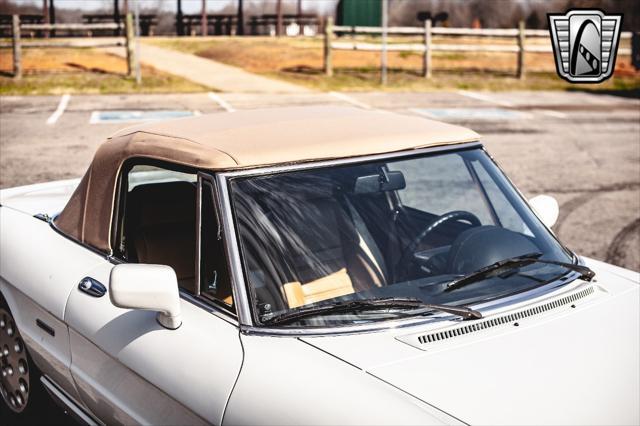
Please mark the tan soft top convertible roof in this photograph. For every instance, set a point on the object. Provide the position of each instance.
(240, 140)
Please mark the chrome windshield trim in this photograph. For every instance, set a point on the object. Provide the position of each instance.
(243, 306)
(486, 308)
(238, 284)
(351, 160)
(574, 257)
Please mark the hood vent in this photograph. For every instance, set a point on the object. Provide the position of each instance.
(418, 340)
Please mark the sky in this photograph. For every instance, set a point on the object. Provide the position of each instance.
(188, 6)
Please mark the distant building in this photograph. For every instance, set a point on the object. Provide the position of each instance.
(365, 13)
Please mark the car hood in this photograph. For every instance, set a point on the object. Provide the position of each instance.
(574, 363)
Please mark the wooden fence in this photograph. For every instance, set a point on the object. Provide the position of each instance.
(519, 35)
(17, 44)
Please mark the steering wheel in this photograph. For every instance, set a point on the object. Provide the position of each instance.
(455, 215)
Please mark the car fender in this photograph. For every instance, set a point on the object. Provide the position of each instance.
(286, 381)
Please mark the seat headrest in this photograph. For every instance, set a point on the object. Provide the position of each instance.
(162, 203)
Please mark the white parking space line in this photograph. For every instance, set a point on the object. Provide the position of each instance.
(350, 100)
(485, 98)
(64, 101)
(551, 113)
(474, 114)
(224, 104)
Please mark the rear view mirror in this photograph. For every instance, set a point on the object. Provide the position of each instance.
(150, 287)
(385, 181)
(546, 208)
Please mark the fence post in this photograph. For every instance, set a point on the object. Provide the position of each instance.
(17, 49)
(426, 64)
(129, 44)
(328, 35)
(521, 50)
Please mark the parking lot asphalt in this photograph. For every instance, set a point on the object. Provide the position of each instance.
(582, 148)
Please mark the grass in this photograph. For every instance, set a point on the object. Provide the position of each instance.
(82, 71)
(299, 60)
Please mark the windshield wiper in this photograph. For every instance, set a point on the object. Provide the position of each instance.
(371, 304)
(514, 263)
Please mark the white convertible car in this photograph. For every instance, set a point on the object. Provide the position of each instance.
(307, 266)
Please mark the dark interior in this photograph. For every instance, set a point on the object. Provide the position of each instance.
(160, 227)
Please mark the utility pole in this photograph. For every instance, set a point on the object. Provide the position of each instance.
(125, 6)
(52, 12)
(203, 19)
(383, 57)
(45, 15)
(116, 17)
(45, 12)
(52, 16)
(179, 23)
(240, 29)
(300, 27)
(137, 55)
(279, 18)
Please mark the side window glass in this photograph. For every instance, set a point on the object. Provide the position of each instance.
(439, 185)
(141, 174)
(158, 220)
(138, 176)
(165, 217)
(214, 283)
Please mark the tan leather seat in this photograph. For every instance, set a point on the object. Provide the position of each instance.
(160, 227)
(330, 256)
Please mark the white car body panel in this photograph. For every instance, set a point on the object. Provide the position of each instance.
(285, 381)
(48, 198)
(560, 367)
(159, 376)
(55, 265)
(110, 360)
(122, 367)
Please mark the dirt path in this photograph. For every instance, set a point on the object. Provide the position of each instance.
(209, 73)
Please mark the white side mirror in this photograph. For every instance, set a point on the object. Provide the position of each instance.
(151, 287)
(546, 208)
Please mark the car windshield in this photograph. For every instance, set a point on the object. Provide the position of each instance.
(397, 228)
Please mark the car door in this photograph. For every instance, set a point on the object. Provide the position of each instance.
(127, 367)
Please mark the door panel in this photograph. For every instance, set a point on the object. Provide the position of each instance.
(38, 269)
(129, 369)
(50, 353)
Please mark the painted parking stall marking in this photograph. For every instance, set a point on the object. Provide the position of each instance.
(350, 100)
(453, 114)
(223, 104)
(64, 101)
(484, 98)
(551, 113)
(134, 116)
